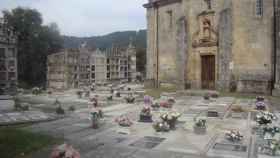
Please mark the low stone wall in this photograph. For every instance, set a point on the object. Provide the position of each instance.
(254, 86)
(149, 83)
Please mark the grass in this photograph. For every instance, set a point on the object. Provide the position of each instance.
(155, 92)
(16, 142)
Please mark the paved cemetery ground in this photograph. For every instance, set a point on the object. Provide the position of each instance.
(140, 140)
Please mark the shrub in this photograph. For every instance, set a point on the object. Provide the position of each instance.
(17, 105)
(36, 90)
(25, 106)
(72, 108)
(79, 93)
(60, 110)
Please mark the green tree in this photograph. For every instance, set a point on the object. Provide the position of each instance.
(141, 60)
(35, 42)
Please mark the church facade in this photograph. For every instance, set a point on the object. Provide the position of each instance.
(228, 45)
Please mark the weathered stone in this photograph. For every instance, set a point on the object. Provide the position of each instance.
(181, 33)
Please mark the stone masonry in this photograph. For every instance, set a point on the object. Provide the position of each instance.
(78, 68)
(8, 58)
(211, 44)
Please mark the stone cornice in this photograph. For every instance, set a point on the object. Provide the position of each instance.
(159, 3)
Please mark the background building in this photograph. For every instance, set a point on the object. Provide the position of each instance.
(212, 44)
(8, 58)
(83, 67)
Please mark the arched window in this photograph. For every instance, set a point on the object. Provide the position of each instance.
(259, 7)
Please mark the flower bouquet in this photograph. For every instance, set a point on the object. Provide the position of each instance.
(147, 100)
(95, 114)
(155, 106)
(270, 148)
(170, 118)
(171, 100)
(260, 105)
(65, 151)
(110, 98)
(124, 121)
(200, 126)
(36, 90)
(130, 99)
(270, 131)
(233, 136)
(146, 115)
(265, 117)
(161, 126)
(167, 103)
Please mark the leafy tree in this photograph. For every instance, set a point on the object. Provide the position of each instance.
(141, 60)
(35, 42)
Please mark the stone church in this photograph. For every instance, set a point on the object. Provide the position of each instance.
(228, 45)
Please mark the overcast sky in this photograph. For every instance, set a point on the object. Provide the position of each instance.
(87, 17)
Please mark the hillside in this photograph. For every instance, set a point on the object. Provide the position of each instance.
(117, 38)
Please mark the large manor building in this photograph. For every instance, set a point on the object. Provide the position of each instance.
(229, 45)
(8, 58)
(78, 68)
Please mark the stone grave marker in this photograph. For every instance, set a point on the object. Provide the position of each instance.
(237, 115)
(230, 147)
(212, 113)
(147, 142)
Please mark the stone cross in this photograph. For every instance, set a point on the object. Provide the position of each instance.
(208, 2)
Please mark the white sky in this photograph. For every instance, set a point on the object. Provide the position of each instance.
(87, 17)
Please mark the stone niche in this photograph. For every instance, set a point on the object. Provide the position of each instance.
(206, 36)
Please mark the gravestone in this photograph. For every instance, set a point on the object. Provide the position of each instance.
(212, 113)
(230, 147)
(238, 115)
(147, 142)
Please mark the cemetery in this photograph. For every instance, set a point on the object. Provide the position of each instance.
(202, 125)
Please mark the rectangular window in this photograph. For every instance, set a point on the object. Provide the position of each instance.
(2, 76)
(12, 75)
(11, 63)
(170, 17)
(2, 53)
(259, 7)
(11, 52)
(2, 65)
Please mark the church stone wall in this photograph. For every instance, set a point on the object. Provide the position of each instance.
(225, 50)
(169, 17)
(243, 52)
(252, 46)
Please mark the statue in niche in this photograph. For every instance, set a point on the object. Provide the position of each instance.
(206, 24)
(205, 36)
